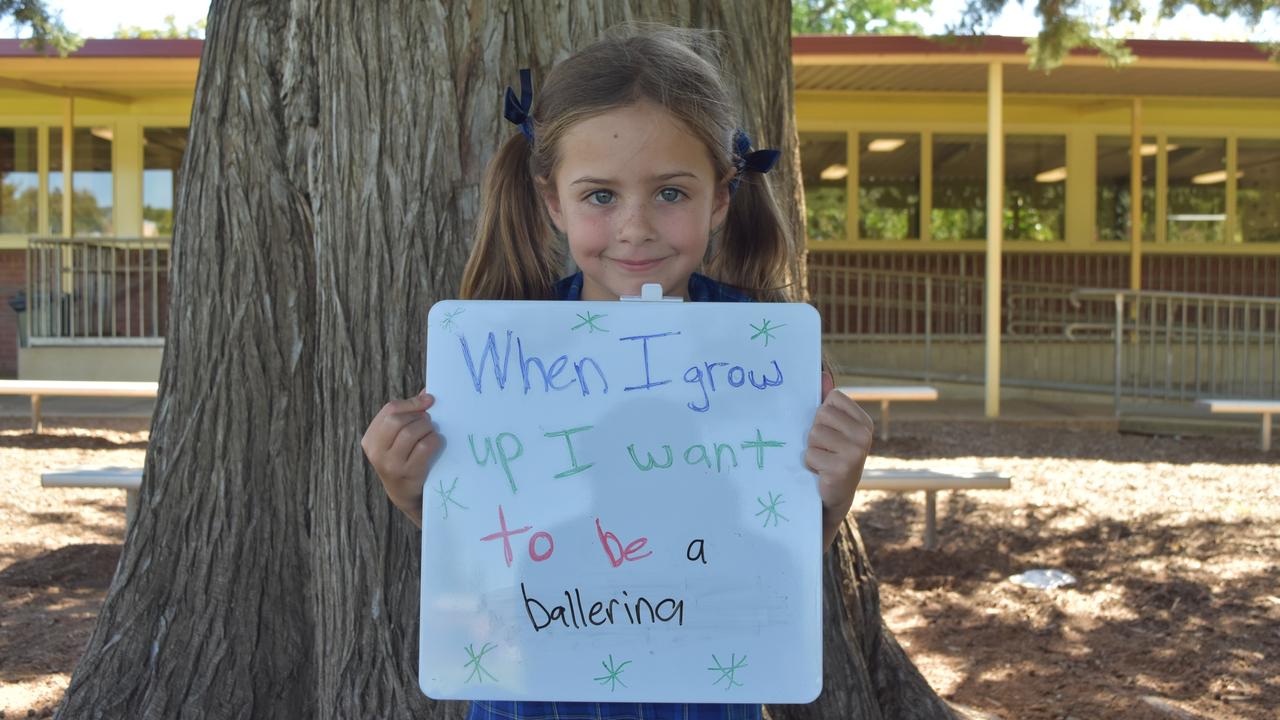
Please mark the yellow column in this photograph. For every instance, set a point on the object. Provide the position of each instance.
(68, 139)
(852, 153)
(1162, 189)
(995, 232)
(1231, 233)
(1135, 196)
(42, 171)
(926, 186)
(126, 153)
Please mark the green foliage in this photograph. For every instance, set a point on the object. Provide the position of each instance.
(87, 217)
(1068, 24)
(19, 208)
(170, 31)
(887, 211)
(826, 211)
(850, 17)
(47, 29)
(162, 217)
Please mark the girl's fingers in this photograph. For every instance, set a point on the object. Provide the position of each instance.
(848, 419)
(386, 425)
(818, 460)
(422, 451)
(408, 437)
(843, 403)
(827, 438)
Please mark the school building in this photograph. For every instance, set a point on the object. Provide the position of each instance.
(1132, 225)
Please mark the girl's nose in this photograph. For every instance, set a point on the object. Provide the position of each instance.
(634, 225)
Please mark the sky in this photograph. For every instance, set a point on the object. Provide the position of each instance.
(95, 18)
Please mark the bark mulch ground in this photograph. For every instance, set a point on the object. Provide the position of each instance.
(1173, 541)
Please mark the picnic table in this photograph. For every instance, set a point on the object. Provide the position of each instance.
(1265, 408)
(886, 394)
(931, 481)
(128, 479)
(38, 389)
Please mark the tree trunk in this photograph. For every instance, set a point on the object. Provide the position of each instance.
(326, 200)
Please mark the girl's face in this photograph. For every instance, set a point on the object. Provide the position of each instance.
(637, 196)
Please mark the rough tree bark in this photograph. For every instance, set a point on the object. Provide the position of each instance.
(327, 196)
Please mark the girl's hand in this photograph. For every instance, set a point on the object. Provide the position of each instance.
(839, 442)
(400, 443)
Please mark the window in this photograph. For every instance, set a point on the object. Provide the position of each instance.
(824, 169)
(888, 186)
(162, 150)
(1035, 188)
(1197, 190)
(1113, 205)
(91, 210)
(959, 187)
(19, 182)
(1258, 191)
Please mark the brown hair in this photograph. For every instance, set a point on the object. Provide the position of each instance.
(517, 256)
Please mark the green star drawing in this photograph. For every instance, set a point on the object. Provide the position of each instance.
(477, 670)
(727, 673)
(589, 320)
(772, 508)
(613, 671)
(448, 322)
(446, 497)
(766, 329)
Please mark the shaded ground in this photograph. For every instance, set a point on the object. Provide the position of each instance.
(1174, 543)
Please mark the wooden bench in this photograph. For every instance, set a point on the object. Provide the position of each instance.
(73, 388)
(931, 481)
(128, 479)
(887, 394)
(1265, 408)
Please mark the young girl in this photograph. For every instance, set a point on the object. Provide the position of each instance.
(630, 154)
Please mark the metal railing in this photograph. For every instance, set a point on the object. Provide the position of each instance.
(1136, 345)
(97, 289)
(1183, 346)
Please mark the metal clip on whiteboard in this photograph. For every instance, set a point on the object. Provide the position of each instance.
(650, 292)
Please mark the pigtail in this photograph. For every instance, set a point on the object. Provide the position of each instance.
(754, 249)
(515, 255)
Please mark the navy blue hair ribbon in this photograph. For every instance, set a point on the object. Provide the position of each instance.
(518, 111)
(761, 161)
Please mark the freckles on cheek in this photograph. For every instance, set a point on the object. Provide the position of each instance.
(592, 233)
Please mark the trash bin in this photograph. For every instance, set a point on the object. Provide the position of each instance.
(18, 302)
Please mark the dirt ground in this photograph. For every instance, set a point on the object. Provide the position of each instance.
(1173, 541)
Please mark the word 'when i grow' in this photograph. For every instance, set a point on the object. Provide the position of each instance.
(587, 374)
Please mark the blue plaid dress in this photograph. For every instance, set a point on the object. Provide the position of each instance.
(701, 289)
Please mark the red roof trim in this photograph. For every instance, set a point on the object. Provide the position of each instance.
(1001, 45)
(182, 48)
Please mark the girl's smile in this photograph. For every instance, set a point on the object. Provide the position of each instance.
(637, 195)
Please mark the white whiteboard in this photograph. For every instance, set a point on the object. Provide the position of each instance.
(635, 574)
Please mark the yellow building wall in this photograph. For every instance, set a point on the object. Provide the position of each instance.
(126, 121)
(124, 363)
(1079, 118)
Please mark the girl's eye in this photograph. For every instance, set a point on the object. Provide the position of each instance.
(601, 197)
(670, 194)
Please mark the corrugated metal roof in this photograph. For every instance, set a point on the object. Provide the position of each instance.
(913, 64)
(1126, 81)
